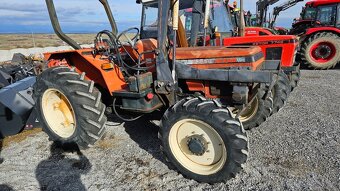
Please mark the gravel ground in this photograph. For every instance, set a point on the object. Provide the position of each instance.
(296, 149)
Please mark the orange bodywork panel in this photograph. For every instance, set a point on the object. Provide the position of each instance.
(220, 57)
(287, 43)
(201, 86)
(84, 61)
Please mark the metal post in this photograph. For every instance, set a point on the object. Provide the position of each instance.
(206, 20)
(242, 24)
(175, 20)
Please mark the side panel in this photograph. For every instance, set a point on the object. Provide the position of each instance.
(285, 46)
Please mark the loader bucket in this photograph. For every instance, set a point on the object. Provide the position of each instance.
(16, 105)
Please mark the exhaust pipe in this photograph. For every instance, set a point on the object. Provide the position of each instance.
(56, 26)
(242, 23)
(206, 19)
(175, 20)
(110, 16)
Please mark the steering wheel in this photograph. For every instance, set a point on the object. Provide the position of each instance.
(133, 40)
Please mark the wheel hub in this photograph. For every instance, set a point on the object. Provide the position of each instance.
(323, 51)
(251, 110)
(58, 113)
(197, 145)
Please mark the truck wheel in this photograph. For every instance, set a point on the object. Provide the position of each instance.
(321, 51)
(280, 91)
(257, 111)
(69, 107)
(203, 141)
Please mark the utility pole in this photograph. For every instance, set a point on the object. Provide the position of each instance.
(33, 39)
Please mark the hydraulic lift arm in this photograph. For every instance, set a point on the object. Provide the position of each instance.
(280, 8)
(262, 9)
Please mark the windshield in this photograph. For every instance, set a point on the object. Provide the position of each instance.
(308, 13)
(219, 16)
(327, 15)
(149, 23)
(150, 15)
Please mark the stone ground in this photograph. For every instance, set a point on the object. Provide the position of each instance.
(296, 149)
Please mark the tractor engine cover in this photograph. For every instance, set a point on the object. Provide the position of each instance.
(16, 104)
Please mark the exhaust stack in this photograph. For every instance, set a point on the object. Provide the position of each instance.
(242, 23)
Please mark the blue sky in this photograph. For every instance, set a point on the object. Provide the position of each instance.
(19, 16)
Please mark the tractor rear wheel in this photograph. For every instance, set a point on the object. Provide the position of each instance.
(203, 141)
(280, 91)
(321, 51)
(69, 107)
(257, 111)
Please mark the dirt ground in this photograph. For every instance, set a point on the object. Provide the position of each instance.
(11, 41)
(296, 149)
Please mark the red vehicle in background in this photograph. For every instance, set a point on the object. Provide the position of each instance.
(319, 31)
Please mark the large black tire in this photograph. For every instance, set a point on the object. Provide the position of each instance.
(83, 99)
(258, 111)
(314, 51)
(294, 78)
(281, 91)
(198, 113)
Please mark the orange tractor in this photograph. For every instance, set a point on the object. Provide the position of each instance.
(195, 86)
(220, 32)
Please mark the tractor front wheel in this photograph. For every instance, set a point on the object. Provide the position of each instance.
(69, 107)
(203, 141)
(321, 51)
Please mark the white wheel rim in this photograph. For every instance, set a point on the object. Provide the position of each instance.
(215, 155)
(58, 113)
(250, 111)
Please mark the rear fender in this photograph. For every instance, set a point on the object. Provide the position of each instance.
(83, 60)
(312, 31)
